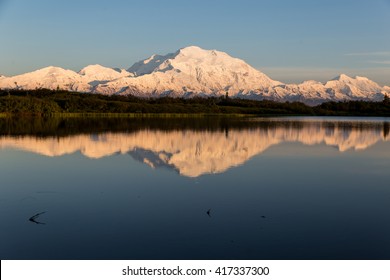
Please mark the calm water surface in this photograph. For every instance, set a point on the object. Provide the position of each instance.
(282, 188)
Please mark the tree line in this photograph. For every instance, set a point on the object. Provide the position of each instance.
(47, 102)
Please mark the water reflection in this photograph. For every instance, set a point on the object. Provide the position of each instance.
(294, 188)
(195, 151)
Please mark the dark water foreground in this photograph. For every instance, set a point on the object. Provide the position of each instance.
(204, 188)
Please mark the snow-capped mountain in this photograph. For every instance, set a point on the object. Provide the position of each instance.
(193, 71)
(341, 87)
(190, 71)
(358, 87)
(100, 73)
(49, 77)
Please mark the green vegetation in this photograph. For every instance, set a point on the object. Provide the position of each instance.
(47, 102)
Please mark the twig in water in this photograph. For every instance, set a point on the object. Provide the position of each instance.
(34, 218)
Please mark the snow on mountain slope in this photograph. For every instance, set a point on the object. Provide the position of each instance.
(55, 77)
(344, 87)
(49, 77)
(340, 88)
(148, 65)
(193, 71)
(310, 92)
(100, 73)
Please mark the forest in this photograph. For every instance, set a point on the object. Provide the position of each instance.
(43, 102)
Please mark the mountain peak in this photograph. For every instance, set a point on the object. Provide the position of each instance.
(342, 77)
(51, 69)
(193, 50)
(196, 70)
(199, 53)
(186, 55)
(92, 67)
(187, 58)
(353, 80)
(102, 73)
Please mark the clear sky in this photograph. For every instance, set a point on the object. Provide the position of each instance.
(289, 40)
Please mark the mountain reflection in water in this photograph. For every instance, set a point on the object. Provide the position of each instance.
(281, 188)
(203, 150)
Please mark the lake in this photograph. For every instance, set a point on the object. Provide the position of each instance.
(201, 188)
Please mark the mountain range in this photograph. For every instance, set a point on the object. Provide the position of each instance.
(193, 71)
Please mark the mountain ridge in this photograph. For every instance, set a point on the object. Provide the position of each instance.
(193, 71)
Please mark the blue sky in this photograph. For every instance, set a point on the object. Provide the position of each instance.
(289, 40)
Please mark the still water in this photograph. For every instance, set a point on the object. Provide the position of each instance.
(280, 188)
